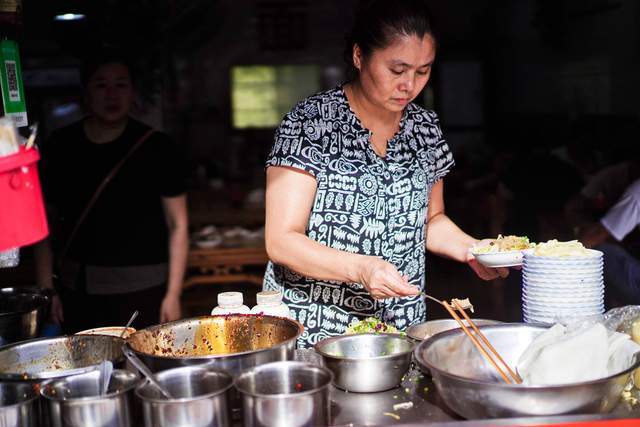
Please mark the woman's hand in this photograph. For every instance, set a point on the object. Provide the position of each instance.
(382, 280)
(486, 273)
(170, 309)
(57, 314)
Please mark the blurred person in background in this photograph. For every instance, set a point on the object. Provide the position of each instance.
(127, 250)
(355, 185)
(609, 235)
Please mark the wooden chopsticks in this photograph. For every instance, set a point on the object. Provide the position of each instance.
(513, 376)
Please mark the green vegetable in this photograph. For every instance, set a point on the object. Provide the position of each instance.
(371, 325)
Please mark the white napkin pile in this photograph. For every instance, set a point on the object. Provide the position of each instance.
(563, 355)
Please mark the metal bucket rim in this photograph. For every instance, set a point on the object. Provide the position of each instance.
(318, 347)
(211, 357)
(256, 370)
(41, 300)
(145, 383)
(53, 375)
(98, 398)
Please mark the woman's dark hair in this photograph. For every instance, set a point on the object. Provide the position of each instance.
(103, 57)
(378, 22)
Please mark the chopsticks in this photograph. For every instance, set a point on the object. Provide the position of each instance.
(515, 378)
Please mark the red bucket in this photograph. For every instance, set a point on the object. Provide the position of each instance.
(22, 216)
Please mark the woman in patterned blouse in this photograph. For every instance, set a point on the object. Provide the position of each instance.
(354, 179)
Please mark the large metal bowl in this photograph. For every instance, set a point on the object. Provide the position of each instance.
(424, 330)
(230, 342)
(469, 385)
(22, 311)
(366, 363)
(46, 358)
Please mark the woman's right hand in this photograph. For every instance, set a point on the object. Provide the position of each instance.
(57, 314)
(383, 280)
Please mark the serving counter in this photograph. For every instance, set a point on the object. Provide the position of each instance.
(417, 403)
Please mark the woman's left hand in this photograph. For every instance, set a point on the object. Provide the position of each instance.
(486, 273)
(170, 309)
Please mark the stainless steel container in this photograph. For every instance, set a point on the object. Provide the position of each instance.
(47, 358)
(200, 398)
(230, 343)
(285, 394)
(366, 362)
(76, 400)
(427, 329)
(22, 311)
(469, 385)
(18, 405)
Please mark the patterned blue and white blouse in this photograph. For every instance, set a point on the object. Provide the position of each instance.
(364, 204)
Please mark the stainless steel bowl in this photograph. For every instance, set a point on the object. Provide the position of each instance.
(47, 358)
(230, 343)
(22, 311)
(76, 401)
(366, 362)
(429, 328)
(200, 398)
(18, 405)
(469, 385)
(287, 394)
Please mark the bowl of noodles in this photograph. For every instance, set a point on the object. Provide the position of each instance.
(505, 251)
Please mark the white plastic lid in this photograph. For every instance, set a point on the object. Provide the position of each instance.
(268, 298)
(229, 299)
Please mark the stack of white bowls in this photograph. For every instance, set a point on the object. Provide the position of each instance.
(562, 288)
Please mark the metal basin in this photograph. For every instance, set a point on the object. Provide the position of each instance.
(46, 358)
(76, 401)
(469, 385)
(200, 398)
(230, 343)
(287, 394)
(22, 311)
(366, 362)
(18, 405)
(429, 328)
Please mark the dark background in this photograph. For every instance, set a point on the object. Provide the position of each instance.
(534, 96)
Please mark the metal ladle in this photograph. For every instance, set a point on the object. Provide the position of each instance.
(131, 319)
(140, 366)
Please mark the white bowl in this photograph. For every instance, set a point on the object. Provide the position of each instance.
(499, 259)
(588, 288)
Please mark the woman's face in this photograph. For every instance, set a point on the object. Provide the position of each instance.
(393, 76)
(110, 93)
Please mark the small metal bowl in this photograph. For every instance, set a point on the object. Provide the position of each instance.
(366, 363)
(427, 329)
(285, 393)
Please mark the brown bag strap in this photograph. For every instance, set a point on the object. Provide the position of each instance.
(112, 173)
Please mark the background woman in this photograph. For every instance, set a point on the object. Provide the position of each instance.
(129, 252)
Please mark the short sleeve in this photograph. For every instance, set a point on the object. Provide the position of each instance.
(438, 155)
(624, 216)
(171, 166)
(297, 143)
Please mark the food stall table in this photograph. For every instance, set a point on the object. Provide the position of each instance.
(427, 408)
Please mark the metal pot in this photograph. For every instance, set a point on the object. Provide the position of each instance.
(18, 405)
(200, 398)
(46, 358)
(366, 363)
(230, 343)
(291, 394)
(22, 311)
(467, 383)
(76, 400)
